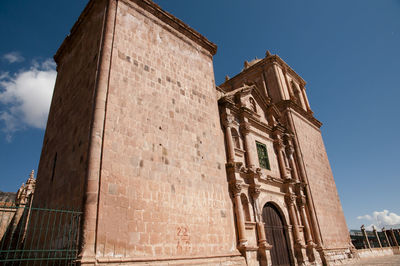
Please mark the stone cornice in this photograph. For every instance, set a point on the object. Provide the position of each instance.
(177, 24)
(282, 105)
(156, 11)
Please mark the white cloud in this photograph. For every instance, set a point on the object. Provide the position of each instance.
(381, 219)
(366, 217)
(25, 97)
(13, 57)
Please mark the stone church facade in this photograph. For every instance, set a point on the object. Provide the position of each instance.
(170, 169)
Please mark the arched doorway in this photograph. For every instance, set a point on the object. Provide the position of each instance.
(276, 235)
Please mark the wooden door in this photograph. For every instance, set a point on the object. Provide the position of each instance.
(276, 235)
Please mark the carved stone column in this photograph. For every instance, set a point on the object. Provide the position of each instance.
(301, 202)
(365, 235)
(377, 236)
(394, 237)
(278, 145)
(236, 189)
(262, 240)
(228, 122)
(290, 199)
(386, 236)
(245, 130)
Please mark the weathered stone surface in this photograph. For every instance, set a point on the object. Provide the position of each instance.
(134, 139)
(329, 211)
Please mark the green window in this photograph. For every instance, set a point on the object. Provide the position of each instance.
(263, 155)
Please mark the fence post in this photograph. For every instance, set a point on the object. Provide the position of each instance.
(377, 236)
(365, 235)
(387, 239)
(394, 238)
(34, 240)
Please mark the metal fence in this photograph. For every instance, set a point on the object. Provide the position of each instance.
(38, 236)
(363, 239)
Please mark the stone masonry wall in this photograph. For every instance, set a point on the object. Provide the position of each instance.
(328, 208)
(60, 181)
(164, 190)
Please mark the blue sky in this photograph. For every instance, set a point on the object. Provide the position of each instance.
(347, 51)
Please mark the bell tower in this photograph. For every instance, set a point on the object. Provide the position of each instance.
(281, 127)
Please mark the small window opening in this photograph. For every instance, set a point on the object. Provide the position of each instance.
(263, 155)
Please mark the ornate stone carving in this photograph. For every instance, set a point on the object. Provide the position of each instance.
(289, 150)
(25, 191)
(236, 188)
(301, 201)
(255, 191)
(289, 199)
(278, 144)
(245, 128)
(228, 120)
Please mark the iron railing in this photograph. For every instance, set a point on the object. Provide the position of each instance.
(38, 236)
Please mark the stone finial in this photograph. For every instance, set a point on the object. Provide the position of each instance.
(31, 178)
(226, 78)
(268, 53)
(246, 64)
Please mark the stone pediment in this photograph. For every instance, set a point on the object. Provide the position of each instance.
(237, 96)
